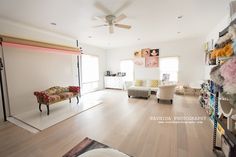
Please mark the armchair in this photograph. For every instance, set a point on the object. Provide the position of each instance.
(165, 92)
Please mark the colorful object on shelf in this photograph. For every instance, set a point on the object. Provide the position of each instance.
(220, 129)
(228, 72)
(216, 76)
(223, 41)
(234, 46)
(226, 51)
(232, 31)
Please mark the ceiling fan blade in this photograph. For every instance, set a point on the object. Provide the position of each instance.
(100, 25)
(124, 6)
(101, 7)
(111, 29)
(119, 18)
(123, 26)
(99, 18)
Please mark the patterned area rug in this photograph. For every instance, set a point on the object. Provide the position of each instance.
(85, 146)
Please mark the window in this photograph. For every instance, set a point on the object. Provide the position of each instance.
(127, 66)
(90, 73)
(169, 66)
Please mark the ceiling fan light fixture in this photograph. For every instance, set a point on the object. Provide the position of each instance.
(111, 20)
(180, 17)
(53, 23)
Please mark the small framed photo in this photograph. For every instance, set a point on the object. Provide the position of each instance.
(152, 62)
(145, 52)
(154, 52)
(137, 54)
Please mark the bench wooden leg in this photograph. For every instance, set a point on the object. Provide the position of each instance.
(47, 109)
(77, 99)
(70, 100)
(40, 107)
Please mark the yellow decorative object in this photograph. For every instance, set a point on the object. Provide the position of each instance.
(228, 50)
(154, 83)
(220, 129)
(138, 82)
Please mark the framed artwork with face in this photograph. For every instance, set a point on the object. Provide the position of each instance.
(152, 62)
(145, 52)
(139, 62)
(137, 54)
(154, 52)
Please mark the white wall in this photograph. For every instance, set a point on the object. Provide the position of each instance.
(189, 51)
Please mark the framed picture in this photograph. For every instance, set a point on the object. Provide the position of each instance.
(154, 52)
(137, 54)
(139, 62)
(145, 52)
(152, 62)
(165, 77)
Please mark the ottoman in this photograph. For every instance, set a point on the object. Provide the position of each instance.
(143, 92)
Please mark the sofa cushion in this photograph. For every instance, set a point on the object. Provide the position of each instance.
(49, 99)
(66, 95)
(154, 83)
(139, 88)
(74, 89)
(138, 82)
(56, 90)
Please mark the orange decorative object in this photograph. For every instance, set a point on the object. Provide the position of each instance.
(223, 52)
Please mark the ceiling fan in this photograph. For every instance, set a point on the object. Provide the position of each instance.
(111, 19)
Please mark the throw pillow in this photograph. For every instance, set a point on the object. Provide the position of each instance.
(138, 82)
(154, 83)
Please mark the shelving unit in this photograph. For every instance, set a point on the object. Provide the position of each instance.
(231, 138)
(210, 100)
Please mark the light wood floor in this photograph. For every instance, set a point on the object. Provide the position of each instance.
(121, 123)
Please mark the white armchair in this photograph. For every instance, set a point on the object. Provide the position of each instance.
(165, 92)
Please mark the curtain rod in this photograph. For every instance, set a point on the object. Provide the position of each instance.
(27, 42)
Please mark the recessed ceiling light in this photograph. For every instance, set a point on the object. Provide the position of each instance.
(138, 39)
(89, 36)
(53, 23)
(179, 17)
(178, 32)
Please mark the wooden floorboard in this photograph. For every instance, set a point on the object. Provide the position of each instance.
(121, 123)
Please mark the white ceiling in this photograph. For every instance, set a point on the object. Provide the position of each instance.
(151, 20)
